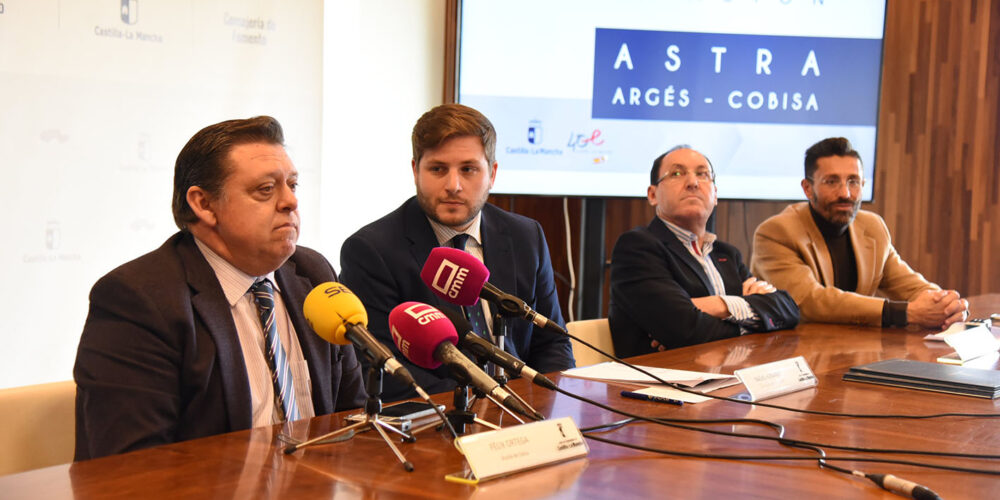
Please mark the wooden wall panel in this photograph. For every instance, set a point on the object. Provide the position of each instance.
(937, 181)
(937, 176)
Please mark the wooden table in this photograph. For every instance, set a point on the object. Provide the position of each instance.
(249, 463)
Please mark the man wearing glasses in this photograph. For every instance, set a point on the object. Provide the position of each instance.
(673, 283)
(833, 258)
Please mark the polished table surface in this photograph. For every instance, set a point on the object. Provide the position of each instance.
(250, 463)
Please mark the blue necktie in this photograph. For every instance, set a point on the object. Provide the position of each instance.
(473, 313)
(281, 373)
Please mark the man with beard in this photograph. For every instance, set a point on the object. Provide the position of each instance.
(453, 169)
(833, 258)
(675, 284)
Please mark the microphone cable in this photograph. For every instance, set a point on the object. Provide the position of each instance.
(888, 482)
(777, 407)
(440, 413)
(885, 481)
(778, 428)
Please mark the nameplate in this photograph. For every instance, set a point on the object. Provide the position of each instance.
(493, 454)
(971, 343)
(775, 379)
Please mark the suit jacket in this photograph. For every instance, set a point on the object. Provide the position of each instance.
(381, 264)
(790, 252)
(160, 361)
(654, 278)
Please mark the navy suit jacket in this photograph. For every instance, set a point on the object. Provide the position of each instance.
(160, 361)
(381, 264)
(654, 278)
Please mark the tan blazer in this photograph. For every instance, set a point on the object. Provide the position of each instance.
(790, 252)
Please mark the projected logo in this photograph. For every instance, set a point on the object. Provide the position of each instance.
(578, 141)
(130, 11)
(682, 76)
(589, 143)
(535, 132)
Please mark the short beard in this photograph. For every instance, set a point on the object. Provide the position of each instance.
(850, 219)
(428, 208)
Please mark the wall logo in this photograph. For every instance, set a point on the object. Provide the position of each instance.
(128, 14)
(535, 132)
(53, 135)
(52, 235)
(130, 11)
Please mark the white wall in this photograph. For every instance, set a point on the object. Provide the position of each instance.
(94, 109)
(383, 68)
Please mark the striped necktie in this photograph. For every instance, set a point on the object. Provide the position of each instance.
(281, 373)
(473, 313)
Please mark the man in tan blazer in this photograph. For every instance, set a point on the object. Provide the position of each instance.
(837, 261)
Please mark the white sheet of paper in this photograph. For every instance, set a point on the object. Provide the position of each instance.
(939, 336)
(616, 372)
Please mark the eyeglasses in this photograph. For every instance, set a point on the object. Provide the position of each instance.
(834, 183)
(675, 175)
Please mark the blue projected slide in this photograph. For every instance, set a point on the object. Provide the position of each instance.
(585, 94)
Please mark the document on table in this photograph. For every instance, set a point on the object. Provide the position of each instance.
(617, 372)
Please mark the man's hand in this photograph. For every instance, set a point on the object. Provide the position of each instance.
(937, 309)
(753, 285)
(656, 345)
(712, 305)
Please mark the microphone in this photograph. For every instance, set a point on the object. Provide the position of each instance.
(900, 486)
(484, 349)
(425, 336)
(336, 315)
(460, 278)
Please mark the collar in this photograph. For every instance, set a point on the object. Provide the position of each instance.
(444, 234)
(235, 283)
(689, 239)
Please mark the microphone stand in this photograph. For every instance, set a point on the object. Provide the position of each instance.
(373, 406)
(500, 329)
(461, 415)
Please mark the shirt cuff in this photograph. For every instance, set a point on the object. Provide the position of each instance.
(741, 313)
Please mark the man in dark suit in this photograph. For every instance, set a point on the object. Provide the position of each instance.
(673, 283)
(453, 169)
(176, 346)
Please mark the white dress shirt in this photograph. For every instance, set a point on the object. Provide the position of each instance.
(236, 287)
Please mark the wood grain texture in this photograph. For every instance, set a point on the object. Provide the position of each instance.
(937, 181)
(249, 464)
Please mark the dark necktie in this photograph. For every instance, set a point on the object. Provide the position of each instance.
(473, 313)
(281, 373)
